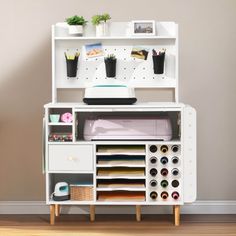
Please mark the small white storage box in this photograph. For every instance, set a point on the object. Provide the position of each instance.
(110, 128)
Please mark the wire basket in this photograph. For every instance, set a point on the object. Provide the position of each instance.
(81, 193)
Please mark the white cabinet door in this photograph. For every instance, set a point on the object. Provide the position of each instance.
(70, 157)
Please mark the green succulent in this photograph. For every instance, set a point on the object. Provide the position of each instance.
(97, 19)
(76, 20)
(106, 17)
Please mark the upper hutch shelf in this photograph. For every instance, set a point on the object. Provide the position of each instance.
(114, 38)
(119, 30)
(130, 71)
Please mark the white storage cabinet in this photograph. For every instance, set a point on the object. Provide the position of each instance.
(120, 172)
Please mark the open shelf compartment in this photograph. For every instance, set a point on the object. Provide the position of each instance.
(127, 126)
(121, 172)
(81, 186)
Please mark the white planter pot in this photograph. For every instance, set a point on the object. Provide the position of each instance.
(102, 29)
(76, 29)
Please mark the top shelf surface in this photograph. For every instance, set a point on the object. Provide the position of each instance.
(80, 105)
(114, 38)
(117, 31)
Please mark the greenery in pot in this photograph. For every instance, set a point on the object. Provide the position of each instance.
(76, 24)
(100, 21)
(76, 20)
(97, 19)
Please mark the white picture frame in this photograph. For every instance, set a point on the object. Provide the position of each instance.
(143, 28)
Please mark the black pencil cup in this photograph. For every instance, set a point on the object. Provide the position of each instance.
(110, 65)
(71, 66)
(158, 63)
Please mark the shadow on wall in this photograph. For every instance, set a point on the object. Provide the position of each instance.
(23, 92)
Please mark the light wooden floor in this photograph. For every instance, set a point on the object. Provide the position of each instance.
(117, 225)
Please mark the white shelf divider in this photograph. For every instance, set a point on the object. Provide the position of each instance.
(59, 124)
(115, 38)
(120, 177)
(120, 165)
(121, 189)
(120, 153)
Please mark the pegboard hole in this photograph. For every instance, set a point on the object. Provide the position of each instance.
(124, 68)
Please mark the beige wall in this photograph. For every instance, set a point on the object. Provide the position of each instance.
(207, 80)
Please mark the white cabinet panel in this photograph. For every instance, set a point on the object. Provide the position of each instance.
(70, 157)
(190, 160)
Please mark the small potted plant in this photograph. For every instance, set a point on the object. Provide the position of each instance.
(76, 24)
(100, 21)
(110, 64)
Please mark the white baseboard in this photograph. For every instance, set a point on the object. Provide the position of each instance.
(39, 207)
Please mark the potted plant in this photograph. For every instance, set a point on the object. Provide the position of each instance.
(110, 64)
(100, 21)
(76, 24)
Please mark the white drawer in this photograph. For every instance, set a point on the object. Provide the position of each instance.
(70, 157)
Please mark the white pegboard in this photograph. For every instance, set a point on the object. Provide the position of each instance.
(190, 166)
(130, 71)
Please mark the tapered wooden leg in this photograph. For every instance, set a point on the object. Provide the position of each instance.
(57, 209)
(177, 215)
(138, 212)
(92, 213)
(52, 214)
